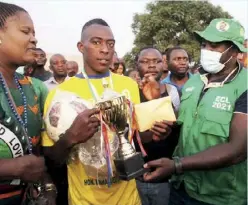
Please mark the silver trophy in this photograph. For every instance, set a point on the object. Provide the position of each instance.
(128, 162)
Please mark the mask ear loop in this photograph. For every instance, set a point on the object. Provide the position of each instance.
(225, 52)
(227, 49)
(229, 58)
(228, 76)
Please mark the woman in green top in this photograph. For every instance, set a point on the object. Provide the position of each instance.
(21, 103)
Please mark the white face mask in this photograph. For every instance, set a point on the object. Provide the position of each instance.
(210, 60)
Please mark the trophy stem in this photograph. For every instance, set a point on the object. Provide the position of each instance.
(125, 149)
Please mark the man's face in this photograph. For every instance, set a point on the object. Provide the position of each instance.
(150, 62)
(98, 47)
(222, 47)
(178, 63)
(40, 58)
(165, 65)
(72, 68)
(115, 63)
(134, 75)
(58, 65)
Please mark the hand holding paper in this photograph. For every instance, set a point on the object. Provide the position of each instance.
(148, 113)
(161, 130)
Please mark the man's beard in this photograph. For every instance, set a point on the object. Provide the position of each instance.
(159, 76)
(38, 66)
(61, 75)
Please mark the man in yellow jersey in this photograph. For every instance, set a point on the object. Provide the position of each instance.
(97, 46)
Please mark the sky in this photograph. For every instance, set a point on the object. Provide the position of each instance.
(58, 23)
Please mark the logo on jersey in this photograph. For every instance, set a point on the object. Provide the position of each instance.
(222, 103)
(189, 89)
(10, 147)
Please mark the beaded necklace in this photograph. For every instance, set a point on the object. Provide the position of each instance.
(13, 108)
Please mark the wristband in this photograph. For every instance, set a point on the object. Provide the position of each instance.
(178, 165)
(50, 187)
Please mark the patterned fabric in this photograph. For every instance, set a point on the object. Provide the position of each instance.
(34, 121)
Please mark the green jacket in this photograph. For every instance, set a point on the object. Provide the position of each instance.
(206, 123)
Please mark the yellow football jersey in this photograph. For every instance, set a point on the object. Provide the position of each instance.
(82, 189)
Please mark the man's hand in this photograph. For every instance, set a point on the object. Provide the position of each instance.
(162, 130)
(51, 197)
(84, 127)
(150, 87)
(164, 167)
(30, 168)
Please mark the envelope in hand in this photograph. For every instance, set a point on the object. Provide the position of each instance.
(148, 113)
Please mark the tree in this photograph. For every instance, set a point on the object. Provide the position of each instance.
(170, 23)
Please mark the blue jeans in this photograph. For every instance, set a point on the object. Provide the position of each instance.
(180, 197)
(153, 193)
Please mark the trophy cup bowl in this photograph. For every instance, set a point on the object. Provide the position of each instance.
(128, 162)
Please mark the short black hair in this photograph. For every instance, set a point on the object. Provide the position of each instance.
(170, 50)
(96, 21)
(145, 48)
(39, 49)
(8, 10)
(165, 51)
(127, 73)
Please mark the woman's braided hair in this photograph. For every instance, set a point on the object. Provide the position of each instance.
(8, 10)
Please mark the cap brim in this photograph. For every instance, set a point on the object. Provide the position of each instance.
(200, 35)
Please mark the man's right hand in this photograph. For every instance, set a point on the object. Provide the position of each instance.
(84, 127)
(30, 168)
(150, 87)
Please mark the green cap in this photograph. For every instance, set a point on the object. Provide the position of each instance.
(224, 30)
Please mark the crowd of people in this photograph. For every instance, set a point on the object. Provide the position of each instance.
(201, 159)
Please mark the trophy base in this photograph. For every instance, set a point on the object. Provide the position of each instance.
(131, 167)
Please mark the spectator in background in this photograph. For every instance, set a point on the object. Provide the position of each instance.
(178, 65)
(195, 68)
(244, 60)
(72, 68)
(150, 66)
(58, 66)
(59, 175)
(121, 68)
(134, 74)
(39, 71)
(115, 63)
(28, 70)
(165, 70)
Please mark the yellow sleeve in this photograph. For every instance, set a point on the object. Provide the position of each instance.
(46, 141)
(135, 96)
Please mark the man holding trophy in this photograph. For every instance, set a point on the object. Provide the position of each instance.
(89, 126)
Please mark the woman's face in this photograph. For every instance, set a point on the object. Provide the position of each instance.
(18, 40)
(120, 69)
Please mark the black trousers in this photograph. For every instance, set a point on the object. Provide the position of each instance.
(59, 177)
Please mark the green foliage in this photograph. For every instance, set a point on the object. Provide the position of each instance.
(169, 23)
